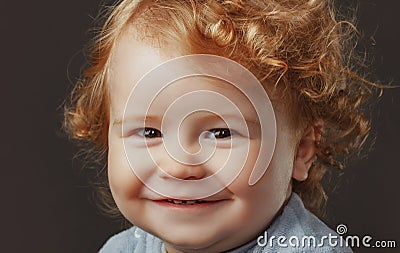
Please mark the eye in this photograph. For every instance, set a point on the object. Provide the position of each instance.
(149, 132)
(220, 133)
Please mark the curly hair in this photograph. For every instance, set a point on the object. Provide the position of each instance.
(295, 47)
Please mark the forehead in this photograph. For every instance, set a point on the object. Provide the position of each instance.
(133, 58)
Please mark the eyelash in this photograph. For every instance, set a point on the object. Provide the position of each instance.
(155, 133)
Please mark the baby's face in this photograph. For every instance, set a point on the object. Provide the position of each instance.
(223, 220)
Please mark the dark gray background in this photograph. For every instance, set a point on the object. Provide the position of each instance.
(45, 203)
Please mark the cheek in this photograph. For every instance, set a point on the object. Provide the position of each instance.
(240, 186)
(246, 159)
(123, 182)
(272, 188)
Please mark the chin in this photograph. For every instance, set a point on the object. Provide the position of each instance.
(189, 240)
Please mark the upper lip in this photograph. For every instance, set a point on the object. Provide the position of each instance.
(218, 197)
(188, 199)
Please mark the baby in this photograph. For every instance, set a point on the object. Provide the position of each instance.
(218, 120)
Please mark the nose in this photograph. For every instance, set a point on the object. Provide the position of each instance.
(174, 169)
(183, 158)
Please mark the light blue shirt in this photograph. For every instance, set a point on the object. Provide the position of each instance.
(296, 226)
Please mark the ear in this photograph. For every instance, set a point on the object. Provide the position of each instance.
(305, 154)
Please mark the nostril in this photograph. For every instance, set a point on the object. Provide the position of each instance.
(191, 178)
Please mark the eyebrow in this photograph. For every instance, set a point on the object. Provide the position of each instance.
(119, 121)
(229, 116)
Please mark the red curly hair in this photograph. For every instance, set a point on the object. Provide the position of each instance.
(297, 47)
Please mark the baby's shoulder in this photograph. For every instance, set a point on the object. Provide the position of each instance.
(132, 240)
(298, 230)
(124, 241)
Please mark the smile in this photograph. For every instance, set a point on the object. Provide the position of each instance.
(184, 202)
(188, 204)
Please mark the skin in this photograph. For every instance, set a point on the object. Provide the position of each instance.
(239, 212)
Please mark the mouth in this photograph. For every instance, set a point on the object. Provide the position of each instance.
(184, 202)
(187, 203)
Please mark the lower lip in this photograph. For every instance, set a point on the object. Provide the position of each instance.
(183, 206)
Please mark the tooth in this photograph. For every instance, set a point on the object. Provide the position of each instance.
(190, 202)
(177, 201)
